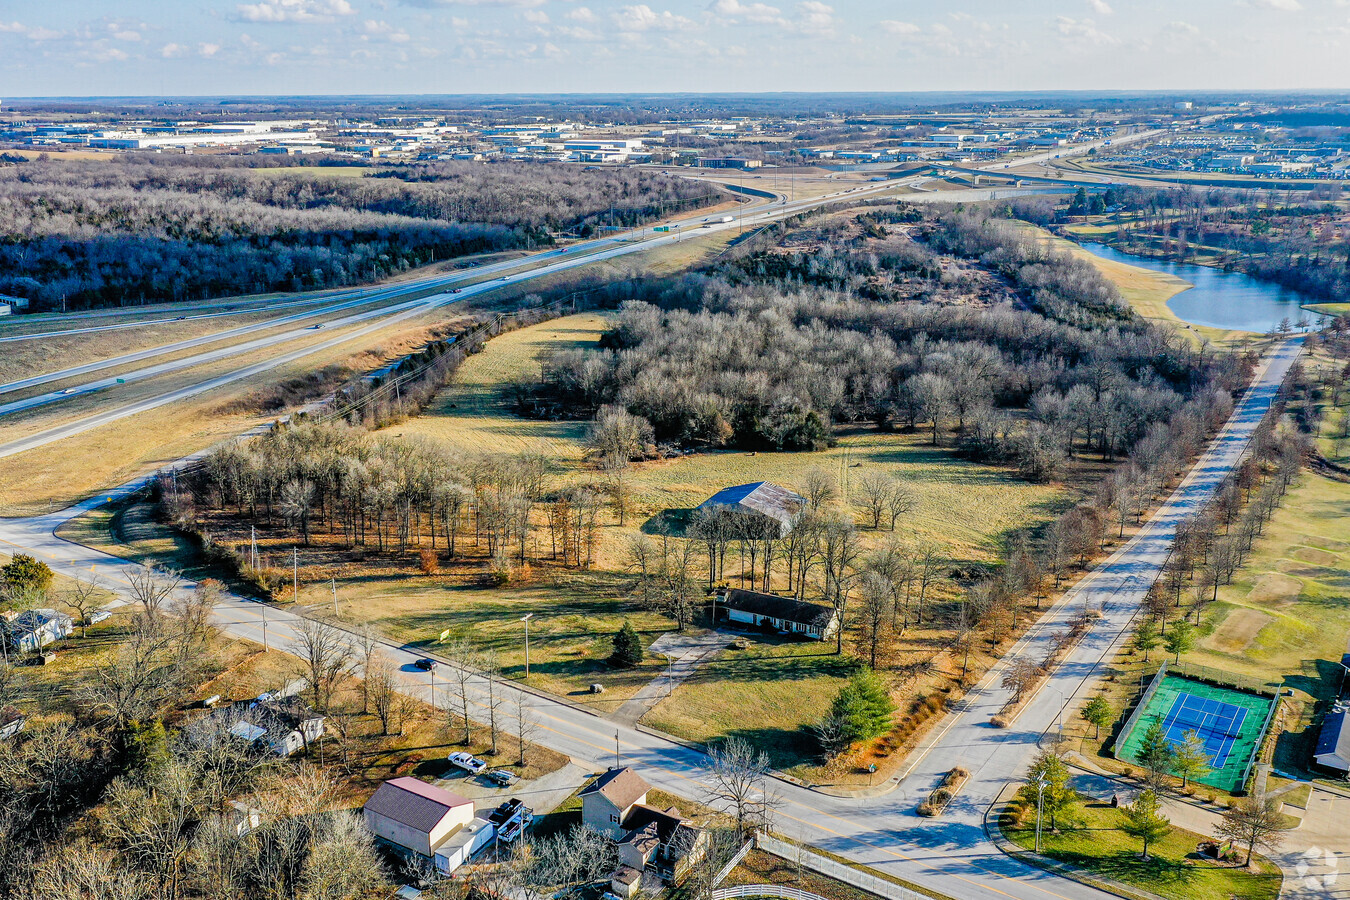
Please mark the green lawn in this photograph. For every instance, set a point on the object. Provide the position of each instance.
(1174, 870)
(769, 694)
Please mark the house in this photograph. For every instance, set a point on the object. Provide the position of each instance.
(608, 800)
(418, 818)
(1333, 741)
(30, 631)
(241, 818)
(782, 614)
(761, 498)
(284, 725)
(659, 845)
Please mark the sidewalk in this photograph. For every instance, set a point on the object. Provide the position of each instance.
(686, 652)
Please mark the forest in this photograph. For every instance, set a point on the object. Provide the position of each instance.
(1012, 352)
(140, 230)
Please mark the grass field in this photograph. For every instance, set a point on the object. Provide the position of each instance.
(1174, 870)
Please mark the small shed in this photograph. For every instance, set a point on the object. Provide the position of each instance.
(460, 847)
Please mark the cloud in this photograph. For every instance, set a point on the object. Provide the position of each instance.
(13, 28)
(1278, 5)
(208, 50)
(535, 16)
(582, 14)
(642, 17)
(433, 4)
(898, 28)
(1083, 31)
(1101, 7)
(173, 51)
(733, 11)
(382, 30)
(814, 16)
(278, 11)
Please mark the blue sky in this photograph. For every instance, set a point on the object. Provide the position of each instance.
(183, 47)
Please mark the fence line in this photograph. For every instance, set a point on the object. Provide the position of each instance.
(763, 890)
(873, 884)
(733, 862)
(1144, 698)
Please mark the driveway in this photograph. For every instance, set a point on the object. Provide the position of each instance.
(686, 652)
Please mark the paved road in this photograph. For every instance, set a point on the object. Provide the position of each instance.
(553, 262)
(950, 855)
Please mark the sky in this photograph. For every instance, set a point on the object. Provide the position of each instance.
(227, 47)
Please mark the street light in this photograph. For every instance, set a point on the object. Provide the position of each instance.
(1041, 785)
(526, 619)
(670, 674)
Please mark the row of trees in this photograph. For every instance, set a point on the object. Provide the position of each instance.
(95, 234)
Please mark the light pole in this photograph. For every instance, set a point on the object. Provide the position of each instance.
(526, 619)
(1040, 803)
(670, 674)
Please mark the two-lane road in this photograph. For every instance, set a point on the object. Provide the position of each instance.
(950, 855)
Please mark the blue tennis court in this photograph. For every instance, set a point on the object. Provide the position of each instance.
(1218, 724)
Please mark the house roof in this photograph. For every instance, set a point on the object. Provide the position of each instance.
(33, 619)
(626, 875)
(412, 802)
(763, 497)
(776, 607)
(621, 787)
(1333, 741)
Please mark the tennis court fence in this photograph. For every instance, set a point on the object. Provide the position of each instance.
(1139, 708)
(1222, 678)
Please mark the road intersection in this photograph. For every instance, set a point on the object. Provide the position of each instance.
(951, 855)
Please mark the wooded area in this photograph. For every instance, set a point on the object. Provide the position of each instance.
(138, 230)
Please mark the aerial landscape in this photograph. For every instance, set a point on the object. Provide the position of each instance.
(527, 450)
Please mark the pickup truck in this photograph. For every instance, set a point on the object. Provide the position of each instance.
(467, 762)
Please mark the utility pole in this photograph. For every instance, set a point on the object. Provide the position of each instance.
(295, 574)
(618, 760)
(526, 619)
(253, 544)
(333, 583)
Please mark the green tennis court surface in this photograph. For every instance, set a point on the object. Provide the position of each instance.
(1229, 722)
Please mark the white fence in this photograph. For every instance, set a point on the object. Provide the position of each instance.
(873, 884)
(763, 890)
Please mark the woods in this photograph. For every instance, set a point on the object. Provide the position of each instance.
(139, 230)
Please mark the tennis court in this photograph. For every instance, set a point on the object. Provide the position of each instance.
(1230, 723)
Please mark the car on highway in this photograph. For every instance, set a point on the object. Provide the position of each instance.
(506, 278)
(426, 664)
(502, 778)
(316, 327)
(456, 290)
(467, 762)
(180, 318)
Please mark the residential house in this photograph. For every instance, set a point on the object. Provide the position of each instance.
(783, 614)
(417, 818)
(30, 631)
(11, 722)
(759, 498)
(658, 845)
(608, 800)
(284, 725)
(1333, 741)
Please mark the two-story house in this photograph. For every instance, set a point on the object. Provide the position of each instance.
(654, 845)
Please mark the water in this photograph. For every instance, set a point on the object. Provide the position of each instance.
(1217, 298)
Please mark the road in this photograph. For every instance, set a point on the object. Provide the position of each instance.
(553, 261)
(950, 855)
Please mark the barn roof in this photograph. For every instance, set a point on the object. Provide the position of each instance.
(763, 497)
(776, 607)
(412, 802)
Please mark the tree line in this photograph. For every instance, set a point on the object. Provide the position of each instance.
(85, 234)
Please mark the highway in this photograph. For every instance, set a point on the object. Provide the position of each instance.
(540, 265)
(950, 855)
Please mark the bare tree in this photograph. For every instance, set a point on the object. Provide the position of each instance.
(526, 726)
(739, 777)
(326, 659)
(463, 662)
(1254, 822)
(381, 689)
(82, 597)
(153, 587)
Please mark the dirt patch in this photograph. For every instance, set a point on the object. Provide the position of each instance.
(1315, 556)
(1238, 630)
(1276, 588)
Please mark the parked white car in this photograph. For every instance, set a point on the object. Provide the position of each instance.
(467, 762)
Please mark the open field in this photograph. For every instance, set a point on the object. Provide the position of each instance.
(1174, 870)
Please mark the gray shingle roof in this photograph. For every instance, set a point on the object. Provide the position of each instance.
(775, 607)
(621, 787)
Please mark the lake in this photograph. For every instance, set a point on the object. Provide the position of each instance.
(1219, 299)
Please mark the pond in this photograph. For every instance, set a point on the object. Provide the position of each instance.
(1217, 298)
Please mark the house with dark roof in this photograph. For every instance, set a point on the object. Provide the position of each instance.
(657, 846)
(1333, 741)
(759, 498)
(783, 614)
(415, 817)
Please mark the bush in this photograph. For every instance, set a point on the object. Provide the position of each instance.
(428, 562)
(628, 650)
(24, 573)
(863, 707)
